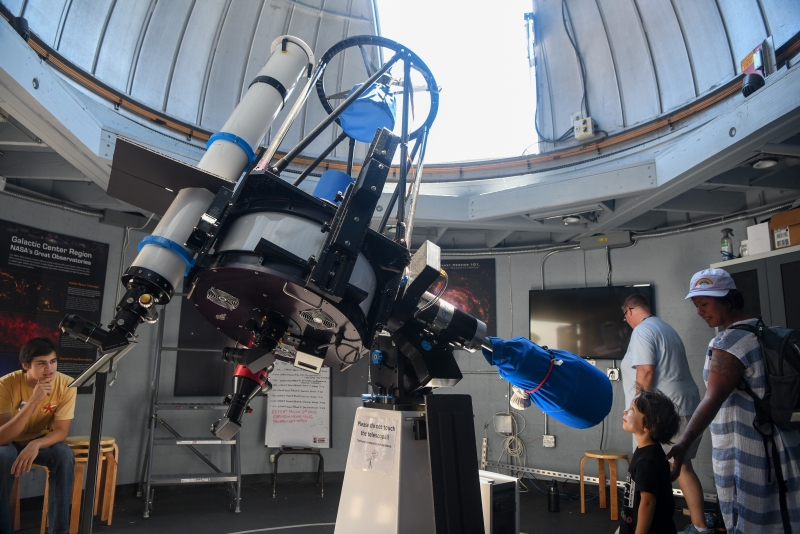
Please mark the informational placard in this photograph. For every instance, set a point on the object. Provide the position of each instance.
(44, 276)
(374, 445)
(299, 407)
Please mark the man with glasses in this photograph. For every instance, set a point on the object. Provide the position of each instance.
(656, 359)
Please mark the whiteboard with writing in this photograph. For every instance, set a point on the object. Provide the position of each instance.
(299, 407)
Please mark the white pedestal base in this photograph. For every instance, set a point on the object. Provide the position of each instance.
(387, 481)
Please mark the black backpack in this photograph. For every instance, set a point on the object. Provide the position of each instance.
(781, 350)
(780, 405)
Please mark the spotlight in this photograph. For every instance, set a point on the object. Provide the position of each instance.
(571, 219)
(765, 163)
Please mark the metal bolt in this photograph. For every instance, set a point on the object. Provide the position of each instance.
(347, 243)
(35, 82)
(356, 219)
(129, 300)
(374, 188)
(120, 322)
(332, 273)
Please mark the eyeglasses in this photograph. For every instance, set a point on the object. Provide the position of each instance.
(625, 313)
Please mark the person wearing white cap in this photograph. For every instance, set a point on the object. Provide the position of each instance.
(747, 488)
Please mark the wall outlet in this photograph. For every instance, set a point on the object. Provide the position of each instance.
(613, 373)
(584, 128)
(548, 441)
(272, 458)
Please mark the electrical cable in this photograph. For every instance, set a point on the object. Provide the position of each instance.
(564, 14)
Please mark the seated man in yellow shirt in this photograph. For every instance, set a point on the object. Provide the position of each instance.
(36, 409)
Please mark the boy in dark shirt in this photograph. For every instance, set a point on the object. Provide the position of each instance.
(648, 505)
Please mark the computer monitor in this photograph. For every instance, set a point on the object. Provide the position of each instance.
(585, 321)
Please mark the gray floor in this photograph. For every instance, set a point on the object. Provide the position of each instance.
(179, 510)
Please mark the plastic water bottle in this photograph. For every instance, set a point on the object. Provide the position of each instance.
(726, 245)
(552, 498)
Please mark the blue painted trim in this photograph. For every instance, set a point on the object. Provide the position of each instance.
(185, 255)
(244, 145)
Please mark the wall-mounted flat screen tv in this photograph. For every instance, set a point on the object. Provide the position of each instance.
(585, 321)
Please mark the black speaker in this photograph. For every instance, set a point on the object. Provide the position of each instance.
(751, 84)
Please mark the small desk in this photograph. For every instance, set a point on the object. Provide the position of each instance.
(299, 450)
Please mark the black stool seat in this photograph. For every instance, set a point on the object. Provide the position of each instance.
(299, 450)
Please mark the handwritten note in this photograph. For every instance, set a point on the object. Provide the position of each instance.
(298, 408)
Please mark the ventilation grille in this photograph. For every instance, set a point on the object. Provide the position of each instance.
(220, 298)
(318, 319)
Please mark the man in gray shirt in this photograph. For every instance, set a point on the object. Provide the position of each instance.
(656, 359)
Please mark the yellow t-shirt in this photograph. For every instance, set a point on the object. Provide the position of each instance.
(60, 405)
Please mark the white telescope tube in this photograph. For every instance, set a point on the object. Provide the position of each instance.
(226, 157)
(255, 113)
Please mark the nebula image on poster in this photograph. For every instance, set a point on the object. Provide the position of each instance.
(471, 287)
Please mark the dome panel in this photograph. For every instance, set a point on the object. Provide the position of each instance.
(228, 66)
(119, 46)
(634, 66)
(744, 20)
(161, 43)
(602, 91)
(784, 18)
(84, 26)
(45, 19)
(707, 42)
(669, 54)
(193, 62)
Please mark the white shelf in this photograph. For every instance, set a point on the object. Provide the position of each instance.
(771, 253)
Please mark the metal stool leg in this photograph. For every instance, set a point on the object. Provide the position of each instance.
(275, 474)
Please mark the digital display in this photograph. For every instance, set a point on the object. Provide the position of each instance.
(585, 321)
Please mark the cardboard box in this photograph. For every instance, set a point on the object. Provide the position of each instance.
(785, 228)
(759, 239)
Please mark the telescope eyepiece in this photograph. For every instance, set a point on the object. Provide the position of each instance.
(79, 328)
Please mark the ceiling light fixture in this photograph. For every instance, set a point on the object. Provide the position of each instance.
(765, 163)
(571, 219)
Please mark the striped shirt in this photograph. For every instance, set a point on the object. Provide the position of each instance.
(743, 473)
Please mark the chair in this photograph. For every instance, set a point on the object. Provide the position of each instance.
(14, 504)
(602, 457)
(106, 478)
(299, 450)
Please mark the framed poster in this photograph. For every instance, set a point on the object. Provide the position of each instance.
(43, 277)
(472, 287)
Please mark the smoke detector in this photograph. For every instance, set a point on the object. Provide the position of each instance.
(765, 163)
(571, 219)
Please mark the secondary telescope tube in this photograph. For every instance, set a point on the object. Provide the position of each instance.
(229, 154)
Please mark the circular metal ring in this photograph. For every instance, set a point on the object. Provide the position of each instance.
(374, 40)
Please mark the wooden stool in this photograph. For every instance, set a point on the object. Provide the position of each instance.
(299, 450)
(611, 457)
(106, 478)
(14, 504)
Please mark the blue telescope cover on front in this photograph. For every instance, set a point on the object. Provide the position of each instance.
(576, 393)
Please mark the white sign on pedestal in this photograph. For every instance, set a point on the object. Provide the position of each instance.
(374, 445)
